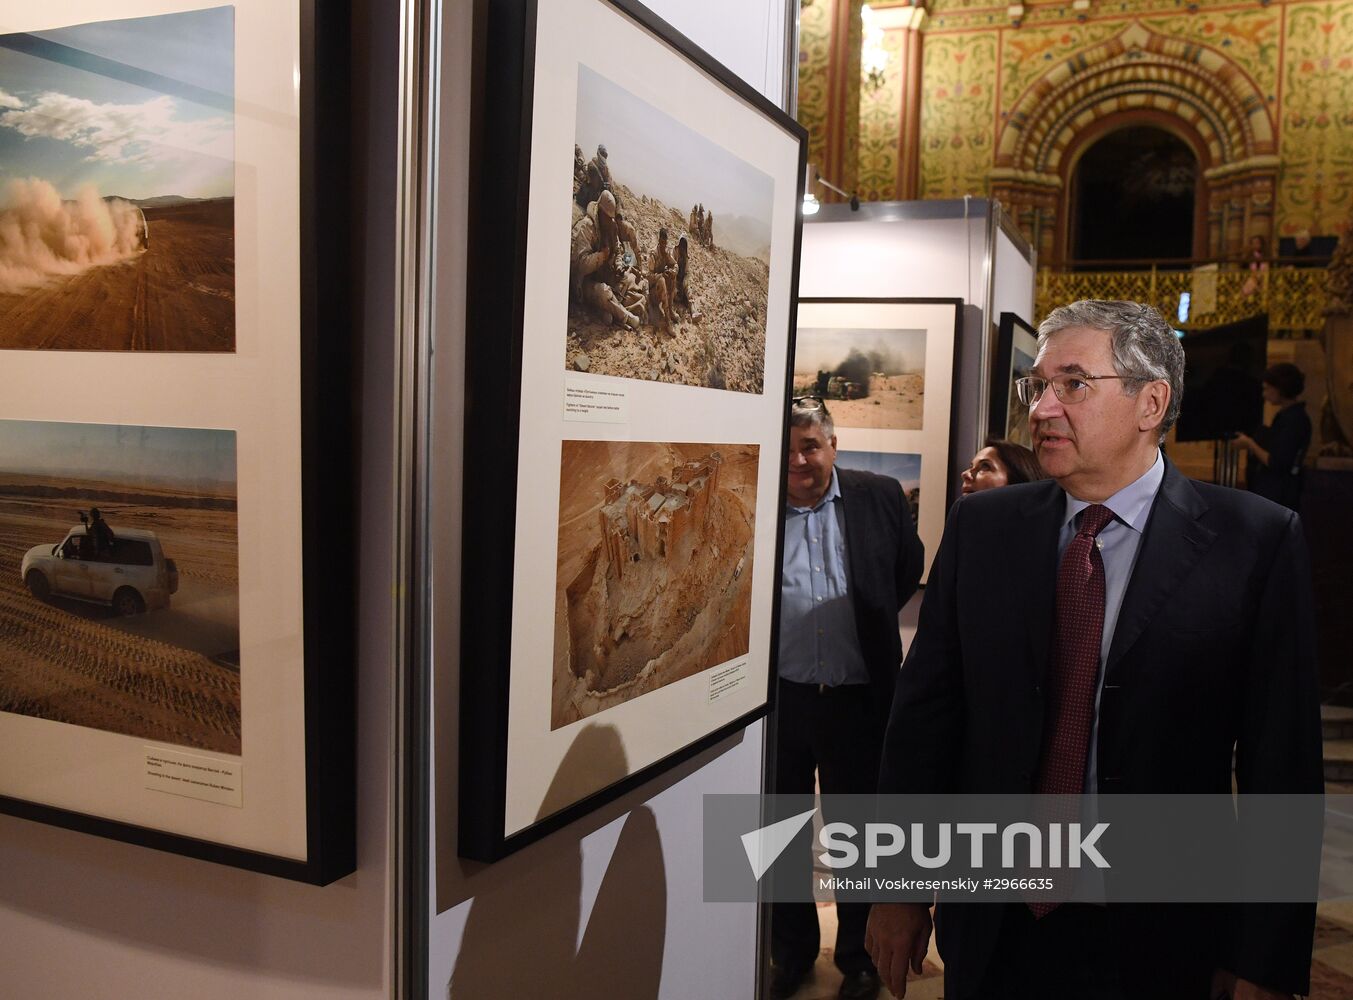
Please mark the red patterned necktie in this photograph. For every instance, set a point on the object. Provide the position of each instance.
(1075, 666)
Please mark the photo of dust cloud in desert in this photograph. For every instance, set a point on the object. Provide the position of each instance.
(869, 378)
(655, 568)
(669, 255)
(119, 581)
(117, 185)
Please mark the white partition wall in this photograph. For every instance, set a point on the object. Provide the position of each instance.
(962, 248)
(611, 905)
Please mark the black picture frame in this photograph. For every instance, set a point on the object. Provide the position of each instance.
(325, 513)
(872, 448)
(1014, 337)
(501, 136)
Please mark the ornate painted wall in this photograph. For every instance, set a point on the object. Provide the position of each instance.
(1264, 93)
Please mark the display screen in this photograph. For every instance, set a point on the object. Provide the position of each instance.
(1224, 368)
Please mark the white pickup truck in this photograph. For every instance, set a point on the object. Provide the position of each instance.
(132, 577)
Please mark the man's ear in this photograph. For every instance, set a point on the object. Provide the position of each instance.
(1152, 402)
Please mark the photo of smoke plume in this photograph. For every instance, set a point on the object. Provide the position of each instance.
(117, 185)
(869, 378)
(904, 467)
(655, 568)
(669, 253)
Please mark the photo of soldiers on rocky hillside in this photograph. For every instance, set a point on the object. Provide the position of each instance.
(655, 293)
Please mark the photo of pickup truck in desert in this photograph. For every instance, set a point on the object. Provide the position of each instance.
(119, 580)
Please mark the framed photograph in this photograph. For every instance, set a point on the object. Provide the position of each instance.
(1016, 349)
(630, 318)
(176, 542)
(885, 369)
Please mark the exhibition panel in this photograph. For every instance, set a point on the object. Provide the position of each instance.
(176, 565)
(628, 404)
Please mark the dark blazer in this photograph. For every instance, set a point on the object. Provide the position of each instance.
(1213, 649)
(885, 559)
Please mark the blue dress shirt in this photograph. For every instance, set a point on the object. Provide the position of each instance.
(819, 642)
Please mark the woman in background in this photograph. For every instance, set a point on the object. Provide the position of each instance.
(1001, 463)
(1278, 451)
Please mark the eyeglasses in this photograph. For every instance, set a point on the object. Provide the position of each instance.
(808, 403)
(1069, 388)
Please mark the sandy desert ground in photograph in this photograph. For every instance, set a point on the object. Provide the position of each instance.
(895, 402)
(619, 637)
(178, 295)
(170, 675)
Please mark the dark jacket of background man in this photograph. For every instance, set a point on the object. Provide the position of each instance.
(886, 558)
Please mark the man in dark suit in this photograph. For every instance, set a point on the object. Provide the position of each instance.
(1125, 629)
(851, 560)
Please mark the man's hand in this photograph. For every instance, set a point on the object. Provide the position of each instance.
(1225, 986)
(898, 935)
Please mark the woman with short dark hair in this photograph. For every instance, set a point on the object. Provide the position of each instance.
(1278, 451)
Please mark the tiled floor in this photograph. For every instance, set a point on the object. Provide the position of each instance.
(1331, 962)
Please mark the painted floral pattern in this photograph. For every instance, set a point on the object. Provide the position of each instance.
(958, 109)
(1315, 189)
(880, 127)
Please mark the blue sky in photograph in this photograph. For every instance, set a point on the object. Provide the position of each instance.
(652, 153)
(903, 467)
(825, 349)
(139, 107)
(124, 454)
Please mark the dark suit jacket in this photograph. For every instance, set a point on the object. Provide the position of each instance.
(885, 559)
(1213, 649)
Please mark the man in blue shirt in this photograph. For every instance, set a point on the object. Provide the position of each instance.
(851, 560)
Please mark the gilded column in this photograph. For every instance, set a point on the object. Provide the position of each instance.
(841, 157)
(909, 126)
(829, 88)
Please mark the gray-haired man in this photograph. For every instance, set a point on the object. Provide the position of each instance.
(851, 560)
(1117, 629)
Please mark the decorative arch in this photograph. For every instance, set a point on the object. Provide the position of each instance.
(1190, 89)
(1151, 117)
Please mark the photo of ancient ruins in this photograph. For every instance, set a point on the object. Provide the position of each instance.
(669, 255)
(119, 580)
(869, 378)
(902, 466)
(117, 205)
(655, 568)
